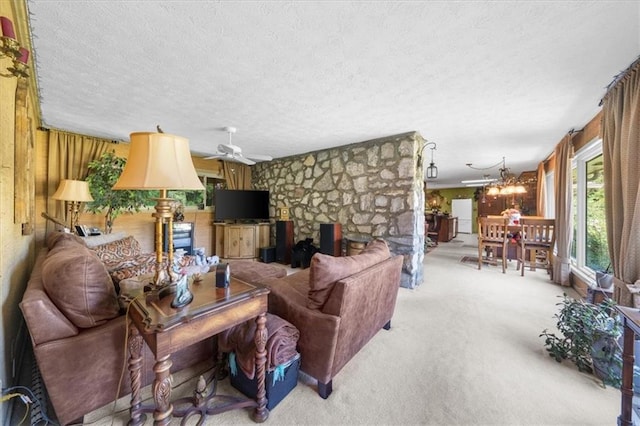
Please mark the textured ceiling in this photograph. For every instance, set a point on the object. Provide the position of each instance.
(481, 79)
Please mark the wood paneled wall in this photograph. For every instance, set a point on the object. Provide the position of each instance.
(139, 224)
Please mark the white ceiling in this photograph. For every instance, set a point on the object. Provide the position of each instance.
(481, 79)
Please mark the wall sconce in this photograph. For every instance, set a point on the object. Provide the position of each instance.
(75, 192)
(432, 170)
(10, 48)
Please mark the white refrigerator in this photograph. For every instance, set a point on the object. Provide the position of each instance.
(462, 208)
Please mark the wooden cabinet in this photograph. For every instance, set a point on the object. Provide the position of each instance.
(448, 228)
(240, 241)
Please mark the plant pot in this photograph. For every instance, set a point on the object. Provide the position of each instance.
(608, 367)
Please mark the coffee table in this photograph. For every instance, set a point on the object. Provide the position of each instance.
(166, 330)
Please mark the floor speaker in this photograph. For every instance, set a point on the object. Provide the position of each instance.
(331, 238)
(284, 241)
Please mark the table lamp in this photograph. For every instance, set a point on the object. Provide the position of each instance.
(75, 192)
(160, 161)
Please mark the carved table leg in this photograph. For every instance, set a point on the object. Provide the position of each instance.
(626, 388)
(162, 391)
(261, 413)
(135, 364)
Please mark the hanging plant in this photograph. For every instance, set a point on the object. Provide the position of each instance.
(103, 174)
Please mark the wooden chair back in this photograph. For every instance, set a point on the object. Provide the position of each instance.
(538, 232)
(492, 233)
(492, 229)
(538, 237)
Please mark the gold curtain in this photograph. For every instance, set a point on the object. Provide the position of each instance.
(237, 175)
(621, 152)
(541, 191)
(564, 214)
(68, 158)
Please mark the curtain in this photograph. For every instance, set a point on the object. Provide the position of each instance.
(621, 152)
(541, 190)
(237, 175)
(564, 214)
(69, 157)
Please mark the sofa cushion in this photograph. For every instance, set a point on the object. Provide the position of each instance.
(326, 270)
(116, 250)
(79, 285)
(58, 237)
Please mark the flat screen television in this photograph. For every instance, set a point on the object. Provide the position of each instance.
(241, 205)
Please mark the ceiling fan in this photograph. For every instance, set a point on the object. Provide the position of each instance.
(230, 152)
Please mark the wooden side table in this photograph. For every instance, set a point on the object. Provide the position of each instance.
(166, 330)
(631, 324)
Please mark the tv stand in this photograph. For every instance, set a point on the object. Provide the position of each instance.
(240, 240)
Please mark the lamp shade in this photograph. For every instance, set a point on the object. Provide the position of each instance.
(159, 161)
(73, 190)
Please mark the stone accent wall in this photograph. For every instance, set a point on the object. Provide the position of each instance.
(372, 188)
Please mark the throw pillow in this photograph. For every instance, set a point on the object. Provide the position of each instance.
(116, 250)
(326, 270)
(96, 240)
(78, 284)
(58, 237)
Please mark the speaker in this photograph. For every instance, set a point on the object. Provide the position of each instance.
(284, 241)
(267, 254)
(331, 239)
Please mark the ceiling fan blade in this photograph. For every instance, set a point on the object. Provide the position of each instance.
(243, 160)
(214, 156)
(259, 157)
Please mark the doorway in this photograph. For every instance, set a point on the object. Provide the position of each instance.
(462, 208)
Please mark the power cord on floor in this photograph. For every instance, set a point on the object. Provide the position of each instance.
(17, 391)
(24, 399)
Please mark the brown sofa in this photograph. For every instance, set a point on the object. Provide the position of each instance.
(78, 329)
(338, 304)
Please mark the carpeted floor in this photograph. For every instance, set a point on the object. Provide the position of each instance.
(463, 349)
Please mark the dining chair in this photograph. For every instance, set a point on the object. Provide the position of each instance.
(537, 238)
(492, 234)
(433, 228)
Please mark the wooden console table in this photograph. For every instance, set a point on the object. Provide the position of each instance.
(631, 324)
(166, 330)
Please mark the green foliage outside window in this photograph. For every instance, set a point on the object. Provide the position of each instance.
(103, 174)
(597, 251)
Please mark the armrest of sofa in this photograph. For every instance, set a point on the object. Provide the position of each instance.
(368, 292)
(44, 321)
(318, 331)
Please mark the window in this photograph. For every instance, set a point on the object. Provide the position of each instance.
(550, 201)
(589, 251)
(198, 199)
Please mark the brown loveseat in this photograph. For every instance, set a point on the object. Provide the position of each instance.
(338, 305)
(77, 329)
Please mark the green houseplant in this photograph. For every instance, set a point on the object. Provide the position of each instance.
(589, 336)
(103, 174)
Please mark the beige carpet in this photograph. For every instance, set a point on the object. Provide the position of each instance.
(463, 349)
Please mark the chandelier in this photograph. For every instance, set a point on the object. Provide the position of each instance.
(507, 184)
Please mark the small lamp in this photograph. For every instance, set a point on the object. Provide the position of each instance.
(160, 161)
(75, 192)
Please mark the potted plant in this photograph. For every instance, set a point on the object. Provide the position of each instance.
(103, 174)
(590, 337)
